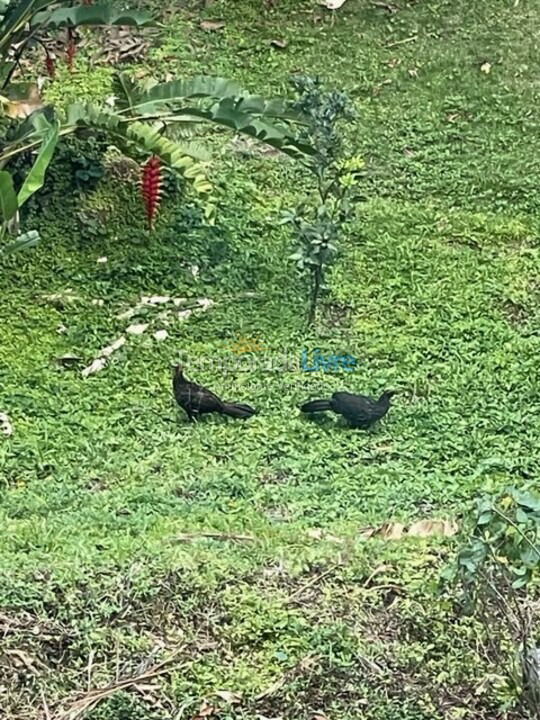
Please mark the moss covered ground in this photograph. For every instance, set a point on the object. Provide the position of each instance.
(234, 551)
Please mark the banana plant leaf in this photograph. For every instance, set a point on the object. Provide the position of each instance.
(92, 15)
(36, 177)
(8, 197)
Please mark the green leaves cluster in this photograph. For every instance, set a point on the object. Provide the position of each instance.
(11, 201)
(504, 544)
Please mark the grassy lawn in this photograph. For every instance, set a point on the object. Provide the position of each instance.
(233, 551)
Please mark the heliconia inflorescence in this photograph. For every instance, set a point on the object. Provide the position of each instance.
(151, 182)
(50, 65)
(71, 49)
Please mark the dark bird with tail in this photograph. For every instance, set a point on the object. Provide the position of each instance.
(360, 411)
(197, 400)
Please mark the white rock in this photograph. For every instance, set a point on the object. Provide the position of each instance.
(205, 303)
(6, 428)
(113, 347)
(127, 314)
(97, 365)
(137, 328)
(332, 4)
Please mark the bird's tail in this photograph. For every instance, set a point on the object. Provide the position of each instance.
(238, 410)
(316, 406)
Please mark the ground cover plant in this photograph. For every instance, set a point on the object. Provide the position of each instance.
(245, 570)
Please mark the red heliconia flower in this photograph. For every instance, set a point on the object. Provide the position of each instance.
(50, 64)
(151, 182)
(71, 49)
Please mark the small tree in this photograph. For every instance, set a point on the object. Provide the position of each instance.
(496, 568)
(320, 220)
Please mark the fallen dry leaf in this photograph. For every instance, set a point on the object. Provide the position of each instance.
(421, 528)
(319, 716)
(280, 44)
(392, 531)
(206, 710)
(211, 25)
(427, 528)
(319, 534)
(23, 107)
(367, 533)
(486, 68)
(137, 328)
(161, 335)
(6, 428)
(101, 260)
(23, 658)
(184, 314)
(229, 697)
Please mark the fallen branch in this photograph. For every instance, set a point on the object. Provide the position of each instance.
(304, 664)
(92, 698)
(188, 537)
(402, 42)
(312, 582)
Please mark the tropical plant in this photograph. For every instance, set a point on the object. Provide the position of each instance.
(25, 24)
(141, 121)
(319, 221)
(496, 567)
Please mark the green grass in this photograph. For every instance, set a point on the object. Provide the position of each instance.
(436, 292)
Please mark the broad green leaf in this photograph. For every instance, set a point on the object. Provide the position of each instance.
(17, 17)
(200, 86)
(520, 582)
(36, 177)
(527, 500)
(23, 242)
(8, 197)
(126, 90)
(530, 557)
(92, 15)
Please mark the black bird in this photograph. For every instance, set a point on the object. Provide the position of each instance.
(197, 400)
(360, 411)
